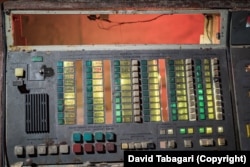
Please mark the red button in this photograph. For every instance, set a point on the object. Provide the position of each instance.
(88, 148)
(111, 147)
(77, 148)
(99, 147)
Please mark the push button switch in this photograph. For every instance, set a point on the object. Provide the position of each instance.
(19, 150)
(110, 136)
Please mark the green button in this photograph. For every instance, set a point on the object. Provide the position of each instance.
(173, 105)
(89, 69)
(90, 107)
(144, 69)
(89, 88)
(198, 73)
(90, 121)
(199, 80)
(199, 86)
(170, 62)
(172, 86)
(200, 91)
(117, 75)
(172, 80)
(144, 81)
(118, 113)
(117, 81)
(146, 112)
(201, 104)
(144, 87)
(174, 117)
(116, 62)
(59, 82)
(59, 89)
(173, 99)
(99, 136)
(145, 99)
(88, 137)
(89, 76)
(89, 82)
(144, 74)
(201, 110)
(171, 68)
(145, 93)
(182, 131)
(60, 95)
(201, 130)
(117, 100)
(37, 59)
(202, 117)
(201, 98)
(146, 118)
(59, 70)
(117, 94)
(144, 62)
(171, 74)
(118, 119)
(59, 64)
(117, 88)
(110, 136)
(88, 63)
(60, 108)
(60, 76)
(60, 122)
(90, 95)
(60, 115)
(117, 69)
(77, 137)
(90, 113)
(118, 106)
(60, 102)
(174, 111)
(145, 105)
(198, 61)
(89, 101)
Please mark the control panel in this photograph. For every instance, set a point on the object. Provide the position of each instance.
(69, 107)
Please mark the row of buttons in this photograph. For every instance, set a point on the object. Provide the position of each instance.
(90, 137)
(137, 145)
(206, 142)
(90, 148)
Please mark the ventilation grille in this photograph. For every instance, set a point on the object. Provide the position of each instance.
(37, 113)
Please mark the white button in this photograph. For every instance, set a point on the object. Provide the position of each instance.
(138, 145)
(53, 149)
(163, 144)
(137, 112)
(137, 119)
(19, 72)
(131, 146)
(18, 150)
(134, 68)
(41, 149)
(30, 150)
(134, 62)
(64, 149)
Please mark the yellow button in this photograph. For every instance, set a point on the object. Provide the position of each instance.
(181, 98)
(126, 87)
(209, 91)
(125, 62)
(70, 114)
(97, 88)
(98, 113)
(154, 81)
(206, 67)
(125, 81)
(209, 130)
(96, 63)
(152, 68)
(179, 68)
(68, 63)
(154, 105)
(97, 75)
(208, 85)
(207, 79)
(125, 69)
(125, 75)
(153, 74)
(127, 113)
(69, 121)
(69, 108)
(180, 86)
(126, 93)
(181, 92)
(182, 111)
(127, 106)
(97, 81)
(69, 95)
(152, 62)
(69, 76)
(126, 119)
(181, 104)
(68, 70)
(207, 73)
(179, 62)
(210, 103)
(210, 110)
(154, 93)
(190, 130)
(69, 102)
(69, 82)
(180, 80)
(155, 112)
(69, 89)
(182, 117)
(180, 74)
(153, 86)
(98, 108)
(154, 99)
(210, 116)
(248, 130)
(209, 97)
(206, 61)
(98, 100)
(126, 99)
(97, 94)
(124, 146)
(98, 120)
(155, 118)
(97, 69)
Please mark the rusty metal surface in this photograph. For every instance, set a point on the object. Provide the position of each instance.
(130, 4)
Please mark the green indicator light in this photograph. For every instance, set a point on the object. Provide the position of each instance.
(117, 75)
(118, 113)
(89, 107)
(88, 63)
(37, 59)
(116, 62)
(174, 111)
(201, 130)
(182, 131)
(174, 117)
(172, 80)
(60, 115)
(171, 68)
(60, 108)
(60, 95)
(146, 112)
(90, 113)
(201, 104)
(89, 82)
(145, 81)
(90, 120)
(201, 110)
(173, 105)
(89, 69)
(144, 74)
(144, 87)
(198, 73)
(144, 69)
(201, 98)
(145, 93)
(199, 80)
(90, 101)
(90, 95)
(117, 88)
(145, 99)
(146, 118)
(89, 88)
(199, 86)
(144, 62)
(60, 76)
(59, 89)
(145, 106)
(60, 102)
(171, 74)
(200, 91)
(117, 106)
(117, 81)
(202, 117)
(170, 62)
(117, 69)
(60, 122)
(172, 86)
(59, 64)
(117, 94)
(117, 100)
(118, 119)
(59, 82)
(59, 70)
(89, 76)
(172, 93)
